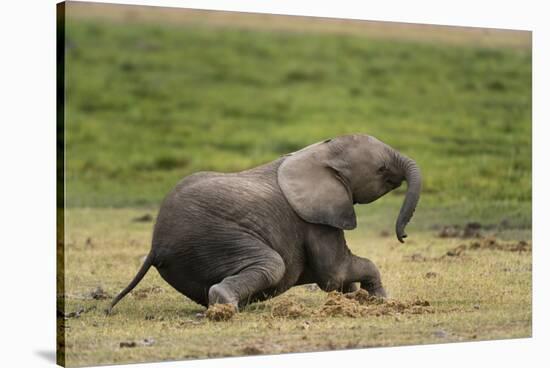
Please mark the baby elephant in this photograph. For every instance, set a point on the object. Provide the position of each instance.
(242, 237)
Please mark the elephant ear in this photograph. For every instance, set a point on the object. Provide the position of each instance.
(312, 182)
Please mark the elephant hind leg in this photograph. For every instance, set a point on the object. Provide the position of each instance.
(176, 276)
(264, 272)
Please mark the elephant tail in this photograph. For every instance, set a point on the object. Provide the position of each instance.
(149, 261)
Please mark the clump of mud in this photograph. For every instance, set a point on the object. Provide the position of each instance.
(486, 243)
(456, 252)
(133, 344)
(145, 292)
(75, 314)
(490, 243)
(252, 350)
(470, 230)
(416, 257)
(220, 312)
(288, 308)
(338, 305)
(363, 297)
(99, 294)
(361, 304)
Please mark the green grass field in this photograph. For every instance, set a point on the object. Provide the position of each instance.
(150, 103)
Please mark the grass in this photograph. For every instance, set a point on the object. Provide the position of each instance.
(480, 295)
(149, 103)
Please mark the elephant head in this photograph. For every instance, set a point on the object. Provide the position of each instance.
(323, 181)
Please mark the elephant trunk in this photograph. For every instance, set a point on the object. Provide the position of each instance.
(414, 185)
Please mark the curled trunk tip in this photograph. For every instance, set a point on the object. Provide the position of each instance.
(414, 186)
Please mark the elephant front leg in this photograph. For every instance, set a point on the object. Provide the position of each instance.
(364, 271)
(350, 287)
(335, 267)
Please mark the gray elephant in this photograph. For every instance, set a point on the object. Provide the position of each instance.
(242, 237)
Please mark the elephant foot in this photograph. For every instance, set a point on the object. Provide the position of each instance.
(380, 292)
(218, 294)
(350, 288)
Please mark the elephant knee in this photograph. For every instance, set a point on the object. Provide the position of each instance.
(273, 270)
(218, 294)
(263, 273)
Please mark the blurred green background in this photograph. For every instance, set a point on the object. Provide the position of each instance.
(148, 104)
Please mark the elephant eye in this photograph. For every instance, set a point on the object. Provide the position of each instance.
(382, 169)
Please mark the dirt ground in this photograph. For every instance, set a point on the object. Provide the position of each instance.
(441, 289)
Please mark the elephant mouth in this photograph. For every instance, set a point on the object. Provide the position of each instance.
(394, 183)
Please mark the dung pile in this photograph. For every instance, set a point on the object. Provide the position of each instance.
(356, 304)
(361, 304)
(490, 243)
(338, 304)
(220, 312)
(288, 308)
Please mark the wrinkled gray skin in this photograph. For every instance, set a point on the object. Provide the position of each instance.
(243, 237)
